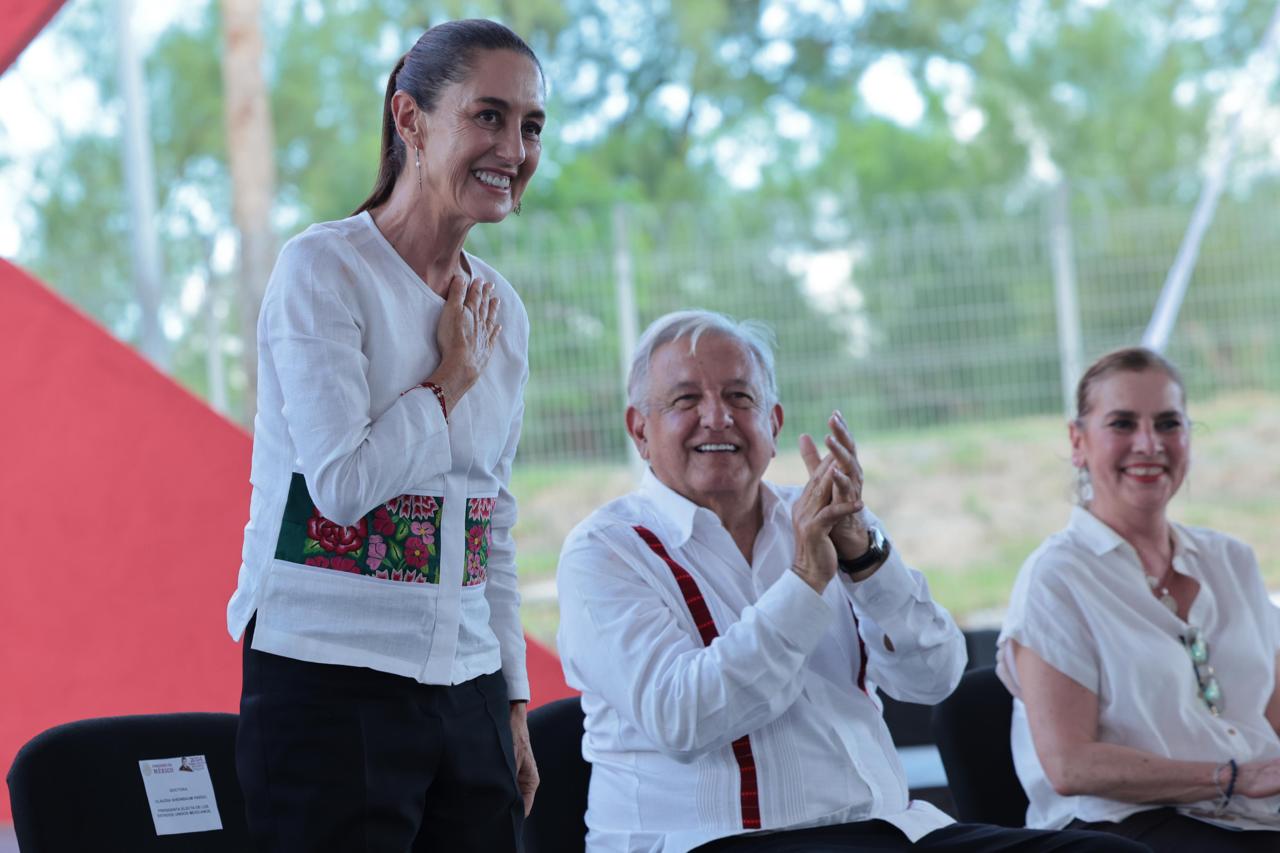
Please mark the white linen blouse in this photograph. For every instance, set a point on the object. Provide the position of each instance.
(1081, 602)
(379, 533)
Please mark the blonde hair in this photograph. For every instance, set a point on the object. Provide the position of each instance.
(1128, 360)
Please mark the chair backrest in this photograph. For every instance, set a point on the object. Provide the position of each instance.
(557, 823)
(912, 724)
(971, 728)
(981, 645)
(909, 723)
(79, 786)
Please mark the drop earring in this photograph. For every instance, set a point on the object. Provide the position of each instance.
(1084, 486)
(417, 163)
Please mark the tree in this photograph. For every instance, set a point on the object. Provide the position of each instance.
(736, 133)
(251, 151)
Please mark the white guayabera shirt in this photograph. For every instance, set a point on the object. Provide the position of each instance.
(1082, 603)
(379, 532)
(773, 724)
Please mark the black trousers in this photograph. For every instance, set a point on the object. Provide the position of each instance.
(879, 835)
(1166, 831)
(351, 760)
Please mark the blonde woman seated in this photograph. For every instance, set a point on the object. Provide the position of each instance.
(1141, 652)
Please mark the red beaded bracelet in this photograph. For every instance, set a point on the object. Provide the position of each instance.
(434, 389)
(439, 392)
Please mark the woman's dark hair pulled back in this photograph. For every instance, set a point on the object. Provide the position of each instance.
(442, 55)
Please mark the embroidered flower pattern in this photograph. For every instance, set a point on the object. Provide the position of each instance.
(333, 538)
(396, 541)
(479, 520)
(343, 564)
(382, 522)
(415, 507)
(377, 553)
(416, 552)
(424, 530)
(481, 508)
(399, 540)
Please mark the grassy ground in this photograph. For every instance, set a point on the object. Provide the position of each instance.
(964, 504)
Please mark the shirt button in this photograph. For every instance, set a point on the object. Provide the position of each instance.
(1231, 731)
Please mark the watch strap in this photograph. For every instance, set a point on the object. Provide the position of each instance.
(877, 552)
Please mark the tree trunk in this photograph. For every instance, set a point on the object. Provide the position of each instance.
(251, 151)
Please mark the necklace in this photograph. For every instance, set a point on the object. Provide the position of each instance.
(1161, 592)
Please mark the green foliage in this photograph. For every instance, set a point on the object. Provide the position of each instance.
(1097, 87)
(82, 229)
(652, 106)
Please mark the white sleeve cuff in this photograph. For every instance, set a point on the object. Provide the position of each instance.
(793, 606)
(886, 591)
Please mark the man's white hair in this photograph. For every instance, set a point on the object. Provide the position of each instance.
(752, 335)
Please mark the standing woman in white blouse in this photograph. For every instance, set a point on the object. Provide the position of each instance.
(1142, 653)
(384, 695)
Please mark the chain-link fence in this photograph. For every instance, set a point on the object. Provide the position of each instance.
(904, 314)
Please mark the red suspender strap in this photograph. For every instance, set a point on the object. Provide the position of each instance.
(749, 795)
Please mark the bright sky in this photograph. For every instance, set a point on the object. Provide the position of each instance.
(41, 94)
(28, 89)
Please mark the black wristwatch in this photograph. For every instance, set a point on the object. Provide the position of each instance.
(877, 552)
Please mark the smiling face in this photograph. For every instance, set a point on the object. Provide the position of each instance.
(482, 141)
(705, 427)
(1135, 442)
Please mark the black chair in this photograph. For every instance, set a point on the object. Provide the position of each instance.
(557, 823)
(79, 787)
(909, 725)
(981, 646)
(908, 722)
(971, 728)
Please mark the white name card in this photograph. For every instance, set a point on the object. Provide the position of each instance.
(181, 794)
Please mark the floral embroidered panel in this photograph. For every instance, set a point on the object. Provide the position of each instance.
(398, 540)
(479, 521)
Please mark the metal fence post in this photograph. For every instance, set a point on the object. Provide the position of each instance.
(140, 182)
(1067, 306)
(628, 325)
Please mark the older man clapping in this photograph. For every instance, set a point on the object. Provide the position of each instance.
(725, 632)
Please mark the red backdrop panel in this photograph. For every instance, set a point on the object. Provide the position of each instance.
(124, 498)
(20, 22)
(121, 513)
